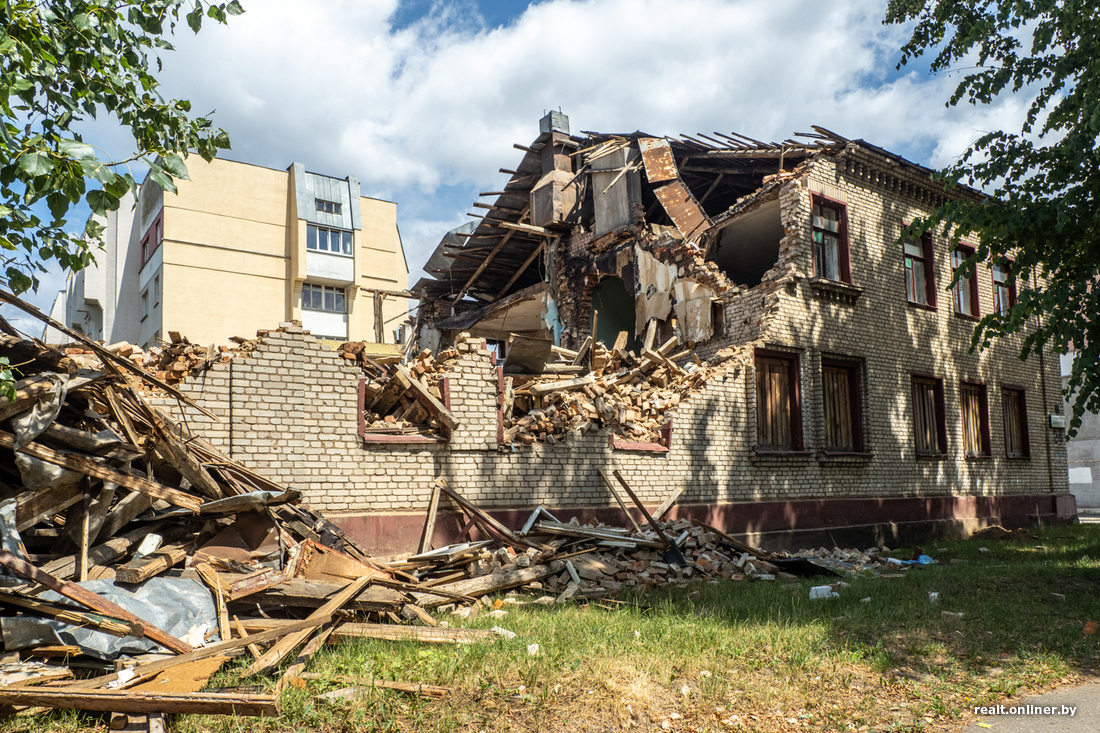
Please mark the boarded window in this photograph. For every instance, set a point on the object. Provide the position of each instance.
(840, 386)
(975, 416)
(777, 412)
(928, 416)
(1016, 441)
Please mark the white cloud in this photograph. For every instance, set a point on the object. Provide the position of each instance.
(425, 115)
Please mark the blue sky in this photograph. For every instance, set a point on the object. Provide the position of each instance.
(423, 100)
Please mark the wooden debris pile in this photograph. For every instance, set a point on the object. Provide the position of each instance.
(406, 400)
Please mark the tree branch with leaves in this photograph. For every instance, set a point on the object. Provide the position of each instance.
(63, 62)
(1044, 210)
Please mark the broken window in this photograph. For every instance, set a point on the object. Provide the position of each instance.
(965, 291)
(1015, 416)
(324, 298)
(928, 416)
(778, 417)
(840, 395)
(830, 240)
(920, 285)
(335, 241)
(975, 415)
(749, 245)
(1004, 289)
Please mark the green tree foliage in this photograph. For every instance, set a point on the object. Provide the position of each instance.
(66, 61)
(1045, 179)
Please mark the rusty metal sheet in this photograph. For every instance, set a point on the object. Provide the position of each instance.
(657, 156)
(683, 209)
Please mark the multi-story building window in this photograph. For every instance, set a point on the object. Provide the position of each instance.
(778, 416)
(928, 416)
(965, 291)
(329, 207)
(324, 298)
(830, 240)
(322, 239)
(975, 417)
(841, 403)
(153, 237)
(1004, 289)
(1015, 417)
(920, 281)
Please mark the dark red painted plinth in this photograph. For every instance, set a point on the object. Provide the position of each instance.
(386, 534)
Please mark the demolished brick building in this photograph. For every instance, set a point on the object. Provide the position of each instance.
(761, 344)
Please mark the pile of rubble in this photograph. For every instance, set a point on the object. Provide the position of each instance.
(406, 400)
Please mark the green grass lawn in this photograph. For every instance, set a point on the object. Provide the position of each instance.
(736, 655)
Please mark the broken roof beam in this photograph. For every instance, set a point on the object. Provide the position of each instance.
(488, 258)
(521, 270)
(494, 207)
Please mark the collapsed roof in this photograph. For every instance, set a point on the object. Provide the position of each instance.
(691, 184)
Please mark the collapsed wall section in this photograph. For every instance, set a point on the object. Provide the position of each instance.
(290, 409)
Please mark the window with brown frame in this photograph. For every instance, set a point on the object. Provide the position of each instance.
(965, 291)
(830, 240)
(975, 417)
(928, 416)
(153, 237)
(1004, 287)
(920, 280)
(1015, 416)
(778, 412)
(841, 406)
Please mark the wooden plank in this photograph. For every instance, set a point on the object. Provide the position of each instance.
(662, 510)
(124, 511)
(127, 701)
(302, 660)
(499, 580)
(213, 581)
(302, 593)
(88, 467)
(144, 670)
(92, 600)
(582, 352)
(422, 634)
(287, 644)
(253, 583)
(172, 450)
(155, 563)
(488, 258)
(622, 505)
(429, 522)
(426, 398)
(560, 386)
(31, 507)
(110, 626)
(65, 567)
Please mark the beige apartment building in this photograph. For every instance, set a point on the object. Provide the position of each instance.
(240, 248)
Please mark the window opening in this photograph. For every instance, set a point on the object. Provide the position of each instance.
(1015, 416)
(975, 415)
(324, 298)
(337, 241)
(328, 207)
(929, 426)
(778, 425)
(919, 274)
(965, 291)
(840, 388)
(1004, 290)
(830, 241)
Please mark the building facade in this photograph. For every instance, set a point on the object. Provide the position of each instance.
(239, 248)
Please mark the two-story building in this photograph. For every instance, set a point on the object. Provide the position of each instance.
(241, 247)
(850, 393)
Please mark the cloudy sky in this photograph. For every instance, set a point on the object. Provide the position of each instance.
(423, 99)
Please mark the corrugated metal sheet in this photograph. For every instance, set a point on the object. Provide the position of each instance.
(660, 165)
(683, 209)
